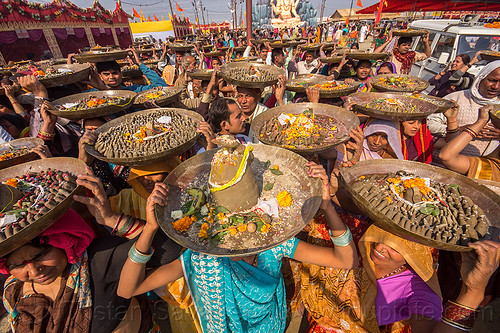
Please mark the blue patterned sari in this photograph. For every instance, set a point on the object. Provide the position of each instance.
(233, 296)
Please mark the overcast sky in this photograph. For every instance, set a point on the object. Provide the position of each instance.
(217, 9)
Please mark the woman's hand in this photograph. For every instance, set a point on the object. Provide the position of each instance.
(317, 171)
(356, 147)
(89, 138)
(30, 83)
(478, 267)
(451, 113)
(349, 81)
(483, 116)
(312, 94)
(43, 151)
(158, 196)
(98, 204)
(9, 90)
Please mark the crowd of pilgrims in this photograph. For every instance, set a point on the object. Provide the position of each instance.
(77, 276)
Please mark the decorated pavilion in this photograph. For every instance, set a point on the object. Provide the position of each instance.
(30, 29)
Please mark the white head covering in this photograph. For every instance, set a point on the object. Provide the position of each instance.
(478, 98)
(383, 126)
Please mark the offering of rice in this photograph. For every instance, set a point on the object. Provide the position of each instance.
(304, 130)
(399, 83)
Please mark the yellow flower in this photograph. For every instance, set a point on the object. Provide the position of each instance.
(182, 224)
(265, 228)
(220, 216)
(242, 228)
(276, 167)
(204, 226)
(203, 233)
(233, 231)
(284, 199)
(11, 182)
(193, 218)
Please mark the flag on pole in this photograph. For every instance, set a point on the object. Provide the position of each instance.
(149, 19)
(170, 17)
(359, 4)
(156, 19)
(162, 18)
(179, 9)
(136, 14)
(379, 12)
(142, 16)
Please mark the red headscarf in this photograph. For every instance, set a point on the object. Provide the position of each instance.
(406, 60)
(423, 141)
(70, 233)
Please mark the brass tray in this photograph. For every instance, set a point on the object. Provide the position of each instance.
(226, 69)
(486, 199)
(239, 48)
(367, 56)
(161, 101)
(420, 86)
(344, 117)
(149, 159)
(294, 43)
(18, 143)
(494, 186)
(323, 93)
(214, 54)
(291, 164)
(490, 55)
(101, 57)
(331, 60)
(207, 47)
(131, 72)
(201, 74)
(247, 59)
(261, 41)
(73, 165)
(409, 33)
(424, 108)
(96, 111)
(181, 47)
(80, 72)
(311, 47)
(279, 45)
(149, 50)
(51, 62)
(441, 103)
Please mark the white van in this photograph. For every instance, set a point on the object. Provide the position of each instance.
(449, 38)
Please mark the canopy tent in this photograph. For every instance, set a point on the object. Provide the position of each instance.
(398, 6)
(156, 29)
(354, 14)
(59, 27)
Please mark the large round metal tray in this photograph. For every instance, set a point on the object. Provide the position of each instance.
(148, 159)
(96, 111)
(311, 47)
(131, 72)
(149, 50)
(331, 60)
(101, 57)
(214, 54)
(51, 62)
(261, 41)
(239, 48)
(294, 43)
(161, 101)
(344, 118)
(323, 93)
(490, 55)
(80, 72)
(409, 33)
(420, 86)
(279, 45)
(201, 74)
(441, 103)
(494, 186)
(19, 143)
(273, 70)
(486, 199)
(181, 47)
(367, 56)
(423, 108)
(73, 165)
(297, 179)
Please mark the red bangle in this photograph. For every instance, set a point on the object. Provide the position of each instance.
(470, 132)
(116, 225)
(459, 315)
(133, 231)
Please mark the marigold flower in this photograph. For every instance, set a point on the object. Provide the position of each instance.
(284, 199)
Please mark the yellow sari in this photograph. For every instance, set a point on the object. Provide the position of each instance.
(341, 300)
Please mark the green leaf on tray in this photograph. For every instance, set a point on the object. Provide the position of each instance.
(427, 210)
(186, 206)
(275, 172)
(268, 163)
(268, 187)
(220, 209)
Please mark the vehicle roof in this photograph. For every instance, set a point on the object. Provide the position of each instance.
(441, 25)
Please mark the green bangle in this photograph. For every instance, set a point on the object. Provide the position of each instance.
(137, 257)
(342, 240)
